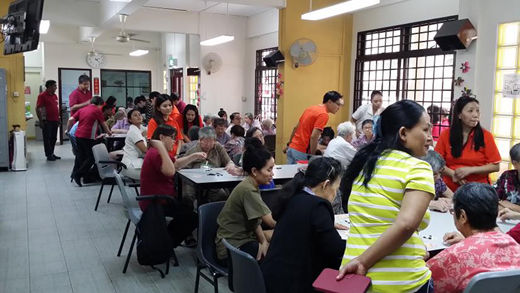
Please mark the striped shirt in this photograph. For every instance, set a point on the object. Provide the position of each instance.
(374, 208)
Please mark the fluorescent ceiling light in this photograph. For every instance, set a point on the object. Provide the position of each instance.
(217, 40)
(337, 9)
(44, 26)
(125, 1)
(138, 53)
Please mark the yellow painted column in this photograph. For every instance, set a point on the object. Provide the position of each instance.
(305, 86)
(14, 67)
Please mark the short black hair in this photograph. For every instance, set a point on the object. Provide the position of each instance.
(175, 97)
(232, 116)
(219, 122)
(50, 83)
(221, 113)
(237, 130)
(97, 100)
(139, 99)
(107, 107)
(366, 121)
(111, 101)
(83, 78)
(255, 155)
(514, 153)
(480, 202)
(164, 129)
(193, 133)
(328, 131)
(375, 93)
(154, 95)
(252, 131)
(331, 96)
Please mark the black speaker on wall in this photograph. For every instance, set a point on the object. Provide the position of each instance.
(454, 35)
(273, 59)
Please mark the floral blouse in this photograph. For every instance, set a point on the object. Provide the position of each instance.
(361, 141)
(508, 187)
(453, 268)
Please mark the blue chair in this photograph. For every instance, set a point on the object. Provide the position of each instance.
(503, 282)
(246, 274)
(206, 251)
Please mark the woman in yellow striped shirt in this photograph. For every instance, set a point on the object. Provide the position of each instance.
(388, 191)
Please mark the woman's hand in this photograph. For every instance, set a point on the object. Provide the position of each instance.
(233, 170)
(507, 214)
(451, 238)
(262, 250)
(352, 267)
(440, 205)
(462, 173)
(199, 156)
(340, 227)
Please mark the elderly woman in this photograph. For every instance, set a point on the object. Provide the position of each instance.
(250, 121)
(268, 127)
(469, 150)
(235, 146)
(341, 147)
(216, 157)
(368, 111)
(484, 248)
(442, 200)
(508, 185)
(367, 134)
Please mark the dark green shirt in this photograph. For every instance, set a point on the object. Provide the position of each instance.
(240, 216)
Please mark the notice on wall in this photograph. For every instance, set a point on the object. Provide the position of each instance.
(511, 88)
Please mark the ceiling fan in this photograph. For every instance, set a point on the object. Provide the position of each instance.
(94, 52)
(123, 36)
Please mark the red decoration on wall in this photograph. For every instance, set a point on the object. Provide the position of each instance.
(96, 85)
(27, 90)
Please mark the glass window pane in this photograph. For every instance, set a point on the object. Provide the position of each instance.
(516, 133)
(113, 78)
(503, 105)
(508, 34)
(506, 57)
(503, 146)
(500, 78)
(502, 126)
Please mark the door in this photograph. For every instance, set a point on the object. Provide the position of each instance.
(176, 78)
(68, 82)
(31, 92)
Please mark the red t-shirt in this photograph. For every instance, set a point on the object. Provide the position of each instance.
(153, 181)
(515, 233)
(469, 158)
(89, 117)
(177, 116)
(79, 97)
(50, 103)
(152, 125)
(313, 117)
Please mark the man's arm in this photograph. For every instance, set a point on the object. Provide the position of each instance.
(70, 123)
(79, 106)
(290, 138)
(315, 136)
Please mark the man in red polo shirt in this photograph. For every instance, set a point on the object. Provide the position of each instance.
(81, 96)
(48, 113)
(89, 117)
(305, 136)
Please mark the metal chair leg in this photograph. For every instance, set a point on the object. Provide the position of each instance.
(129, 253)
(110, 194)
(215, 283)
(197, 277)
(99, 195)
(124, 238)
(175, 259)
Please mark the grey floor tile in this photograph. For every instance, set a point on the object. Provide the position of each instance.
(17, 285)
(59, 282)
(91, 280)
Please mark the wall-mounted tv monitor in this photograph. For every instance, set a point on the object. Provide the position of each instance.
(21, 26)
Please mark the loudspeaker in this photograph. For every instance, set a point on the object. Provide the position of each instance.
(273, 59)
(456, 34)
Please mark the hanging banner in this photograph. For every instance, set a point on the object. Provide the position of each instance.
(511, 87)
(96, 86)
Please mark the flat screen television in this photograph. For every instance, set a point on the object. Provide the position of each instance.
(21, 26)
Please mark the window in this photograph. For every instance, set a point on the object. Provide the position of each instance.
(404, 62)
(506, 113)
(265, 85)
(125, 83)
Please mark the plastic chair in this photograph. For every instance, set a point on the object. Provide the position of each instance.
(106, 169)
(503, 282)
(206, 251)
(247, 276)
(270, 143)
(134, 214)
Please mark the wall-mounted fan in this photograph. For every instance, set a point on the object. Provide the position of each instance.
(123, 36)
(211, 63)
(303, 52)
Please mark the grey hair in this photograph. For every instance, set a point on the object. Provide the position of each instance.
(249, 115)
(207, 132)
(435, 160)
(514, 153)
(208, 116)
(346, 128)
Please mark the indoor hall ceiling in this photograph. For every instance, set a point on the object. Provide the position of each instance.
(219, 7)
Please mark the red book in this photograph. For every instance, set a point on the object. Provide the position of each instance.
(351, 283)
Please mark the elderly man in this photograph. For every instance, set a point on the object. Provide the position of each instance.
(220, 129)
(341, 147)
(217, 157)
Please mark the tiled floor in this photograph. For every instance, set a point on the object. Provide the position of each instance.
(51, 240)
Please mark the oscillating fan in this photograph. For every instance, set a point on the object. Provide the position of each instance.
(211, 63)
(303, 52)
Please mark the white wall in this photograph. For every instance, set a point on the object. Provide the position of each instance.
(395, 14)
(225, 88)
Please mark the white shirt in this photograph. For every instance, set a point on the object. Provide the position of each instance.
(363, 113)
(341, 150)
(132, 155)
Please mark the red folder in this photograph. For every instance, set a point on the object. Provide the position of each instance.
(351, 283)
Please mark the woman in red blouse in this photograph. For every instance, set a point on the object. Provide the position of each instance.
(162, 115)
(469, 150)
(190, 117)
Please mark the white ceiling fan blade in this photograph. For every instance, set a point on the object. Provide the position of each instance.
(139, 40)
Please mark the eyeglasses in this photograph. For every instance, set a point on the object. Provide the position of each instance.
(339, 104)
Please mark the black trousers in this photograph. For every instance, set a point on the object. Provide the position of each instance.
(84, 156)
(183, 223)
(50, 132)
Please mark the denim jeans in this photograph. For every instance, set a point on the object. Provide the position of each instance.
(293, 156)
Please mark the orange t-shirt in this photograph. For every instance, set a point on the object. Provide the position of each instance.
(152, 125)
(312, 117)
(469, 158)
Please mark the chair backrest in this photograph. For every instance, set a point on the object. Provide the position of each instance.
(247, 276)
(207, 231)
(101, 154)
(270, 143)
(273, 199)
(126, 199)
(503, 282)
